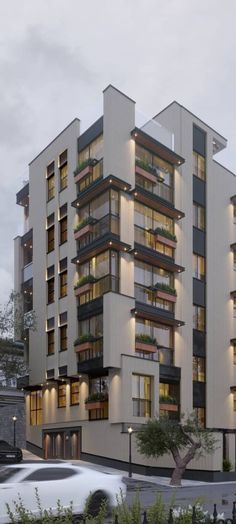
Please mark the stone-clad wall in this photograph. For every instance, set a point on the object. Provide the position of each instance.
(6, 423)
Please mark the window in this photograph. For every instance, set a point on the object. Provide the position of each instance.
(234, 213)
(198, 267)
(234, 307)
(63, 277)
(199, 166)
(63, 338)
(161, 332)
(234, 255)
(36, 407)
(199, 318)
(50, 285)
(63, 170)
(234, 352)
(63, 230)
(93, 325)
(199, 369)
(141, 395)
(45, 474)
(147, 218)
(51, 342)
(201, 416)
(50, 234)
(74, 392)
(93, 150)
(199, 217)
(50, 181)
(61, 395)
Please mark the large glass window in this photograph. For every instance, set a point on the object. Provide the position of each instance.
(199, 321)
(63, 337)
(51, 187)
(50, 239)
(234, 353)
(148, 218)
(101, 206)
(141, 395)
(93, 325)
(199, 369)
(161, 332)
(36, 407)
(63, 170)
(155, 164)
(199, 217)
(199, 166)
(74, 391)
(63, 284)
(50, 290)
(63, 230)
(93, 150)
(100, 265)
(61, 392)
(198, 267)
(149, 275)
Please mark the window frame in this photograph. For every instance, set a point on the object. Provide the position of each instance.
(61, 395)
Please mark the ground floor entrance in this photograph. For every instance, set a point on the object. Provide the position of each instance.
(62, 443)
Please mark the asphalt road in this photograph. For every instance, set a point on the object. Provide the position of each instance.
(208, 494)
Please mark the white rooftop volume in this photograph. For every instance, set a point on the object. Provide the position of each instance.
(154, 129)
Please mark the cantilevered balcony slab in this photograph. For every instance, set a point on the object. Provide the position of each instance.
(155, 258)
(155, 314)
(22, 197)
(155, 202)
(98, 187)
(107, 241)
(157, 148)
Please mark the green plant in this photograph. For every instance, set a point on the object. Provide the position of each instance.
(167, 399)
(164, 233)
(44, 516)
(146, 339)
(165, 287)
(85, 280)
(85, 163)
(84, 222)
(227, 466)
(96, 397)
(84, 338)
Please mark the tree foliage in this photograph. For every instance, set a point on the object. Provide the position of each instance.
(160, 436)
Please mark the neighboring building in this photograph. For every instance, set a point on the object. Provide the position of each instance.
(133, 285)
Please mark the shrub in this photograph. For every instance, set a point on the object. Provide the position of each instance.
(88, 337)
(96, 397)
(84, 222)
(165, 287)
(163, 232)
(85, 280)
(146, 339)
(85, 163)
(227, 466)
(167, 399)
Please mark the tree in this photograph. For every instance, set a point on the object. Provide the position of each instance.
(184, 440)
(14, 323)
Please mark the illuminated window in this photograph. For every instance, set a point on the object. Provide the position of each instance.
(199, 267)
(199, 318)
(50, 285)
(234, 353)
(63, 230)
(199, 217)
(51, 342)
(50, 181)
(74, 392)
(201, 416)
(199, 369)
(199, 166)
(63, 338)
(141, 395)
(36, 407)
(234, 213)
(234, 307)
(50, 234)
(63, 170)
(63, 277)
(61, 395)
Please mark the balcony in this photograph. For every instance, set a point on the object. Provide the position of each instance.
(145, 343)
(107, 224)
(89, 171)
(90, 353)
(155, 314)
(99, 186)
(154, 251)
(168, 403)
(160, 296)
(84, 228)
(22, 197)
(27, 272)
(151, 179)
(97, 400)
(90, 288)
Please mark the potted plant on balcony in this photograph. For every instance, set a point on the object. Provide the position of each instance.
(164, 236)
(165, 292)
(145, 342)
(148, 171)
(168, 403)
(84, 168)
(84, 227)
(84, 342)
(84, 285)
(96, 400)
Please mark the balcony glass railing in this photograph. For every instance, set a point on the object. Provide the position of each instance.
(148, 239)
(148, 296)
(27, 272)
(94, 352)
(166, 356)
(108, 224)
(158, 188)
(95, 173)
(99, 287)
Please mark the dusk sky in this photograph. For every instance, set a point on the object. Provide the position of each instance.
(57, 56)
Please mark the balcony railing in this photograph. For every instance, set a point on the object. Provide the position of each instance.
(95, 350)
(107, 224)
(152, 241)
(149, 296)
(90, 174)
(158, 188)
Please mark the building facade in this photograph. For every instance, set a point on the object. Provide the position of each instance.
(128, 260)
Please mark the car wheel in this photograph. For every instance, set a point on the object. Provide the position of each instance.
(97, 500)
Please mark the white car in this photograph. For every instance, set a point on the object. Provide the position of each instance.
(57, 481)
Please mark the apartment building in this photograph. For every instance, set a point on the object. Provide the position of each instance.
(128, 259)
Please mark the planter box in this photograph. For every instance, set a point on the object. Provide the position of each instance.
(83, 346)
(166, 241)
(149, 176)
(165, 295)
(88, 228)
(141, 346)
(96, 404)
(168, 407)
(83, 289)
(86, 171)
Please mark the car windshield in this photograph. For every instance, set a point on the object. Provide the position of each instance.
(6, 474)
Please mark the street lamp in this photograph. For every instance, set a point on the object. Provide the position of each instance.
(14, 429)
(130, 431)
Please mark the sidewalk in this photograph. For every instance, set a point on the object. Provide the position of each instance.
(162, 481)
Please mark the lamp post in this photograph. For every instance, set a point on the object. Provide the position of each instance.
(14, 429)
(130, 431)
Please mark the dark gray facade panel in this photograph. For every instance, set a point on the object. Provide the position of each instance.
(199, 244)
(199, 288)
(199, 394)
(199, 140)
(169, 373)
(199, 343)
(199, 191)
(90, 134)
